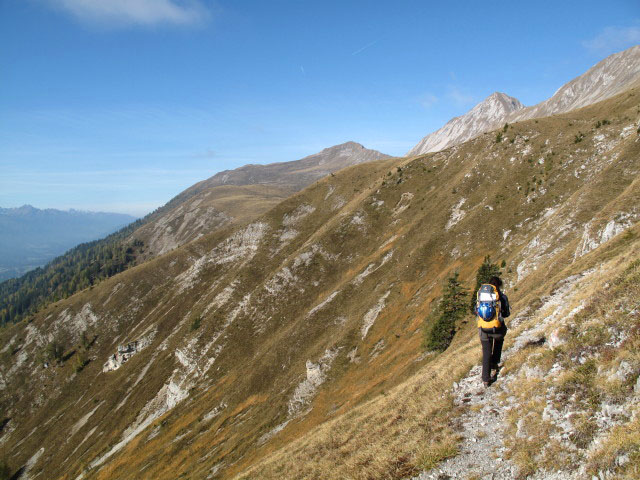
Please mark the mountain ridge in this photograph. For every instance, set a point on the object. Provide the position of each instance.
(238, 195)
(486, 115)
(604, 80)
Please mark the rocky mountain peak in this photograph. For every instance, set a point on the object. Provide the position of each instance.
(346, 145)
(487, 115)
(242, 194)
(607, 78)
(495, 106)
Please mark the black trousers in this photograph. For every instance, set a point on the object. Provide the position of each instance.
(491, 351)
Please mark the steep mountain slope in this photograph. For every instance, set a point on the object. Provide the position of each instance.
(30, 237)
(607, 78)
(487, 115)
(290, 346)
(229, 198)
(237, 196)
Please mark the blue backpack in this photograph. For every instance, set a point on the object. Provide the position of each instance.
(488, 307)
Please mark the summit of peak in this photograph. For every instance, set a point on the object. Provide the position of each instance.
(488, 114)
(510, 103)
(349, 144)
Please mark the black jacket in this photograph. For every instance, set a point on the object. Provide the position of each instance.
(505, 311)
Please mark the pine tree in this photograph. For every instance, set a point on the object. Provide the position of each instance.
(441, 324)
(484, 274)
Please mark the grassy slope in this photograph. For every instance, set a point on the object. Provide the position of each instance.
(206, 211)
(241, 195)
(264, 349)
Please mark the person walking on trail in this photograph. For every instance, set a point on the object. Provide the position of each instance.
(492, 307)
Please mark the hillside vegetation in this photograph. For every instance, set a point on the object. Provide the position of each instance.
(30, 237)
(291, 346)
(79, 268)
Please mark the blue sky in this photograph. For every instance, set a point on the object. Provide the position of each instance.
(118, 105)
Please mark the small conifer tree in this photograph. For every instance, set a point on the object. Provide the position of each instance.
(484, 274)
(441, 325)
(54, 351)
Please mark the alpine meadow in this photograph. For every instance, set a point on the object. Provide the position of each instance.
(277, 321)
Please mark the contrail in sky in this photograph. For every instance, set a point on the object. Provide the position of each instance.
(360, 50)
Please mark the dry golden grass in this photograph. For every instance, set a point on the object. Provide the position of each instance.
(389, 437)
(583, 386)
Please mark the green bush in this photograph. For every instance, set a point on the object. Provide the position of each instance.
(81, 362)
(440, 326)
(195, 322)
(54, 351)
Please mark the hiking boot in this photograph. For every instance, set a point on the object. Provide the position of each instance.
(486, 384)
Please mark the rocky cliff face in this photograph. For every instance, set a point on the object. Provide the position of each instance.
(609, 77)
(487, 115)
(606, 79)
(290, 345)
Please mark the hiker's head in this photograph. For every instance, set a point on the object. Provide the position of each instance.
(496, 282)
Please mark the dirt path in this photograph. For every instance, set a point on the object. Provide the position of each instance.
(482, 424)
(482, 449)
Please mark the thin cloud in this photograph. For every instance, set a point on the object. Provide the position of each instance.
(459, 97)
(428, 100)
(362, 49)
(613, 39)
(206, 154)
(135, 12)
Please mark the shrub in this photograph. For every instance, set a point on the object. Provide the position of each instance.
(441, 323)
(54, 351)
(81, 362)
(498, 137)
(195, 322)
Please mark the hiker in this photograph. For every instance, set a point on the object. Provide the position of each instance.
(492, 307)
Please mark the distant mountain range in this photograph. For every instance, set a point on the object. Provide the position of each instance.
(30, 237)
(607, 78)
